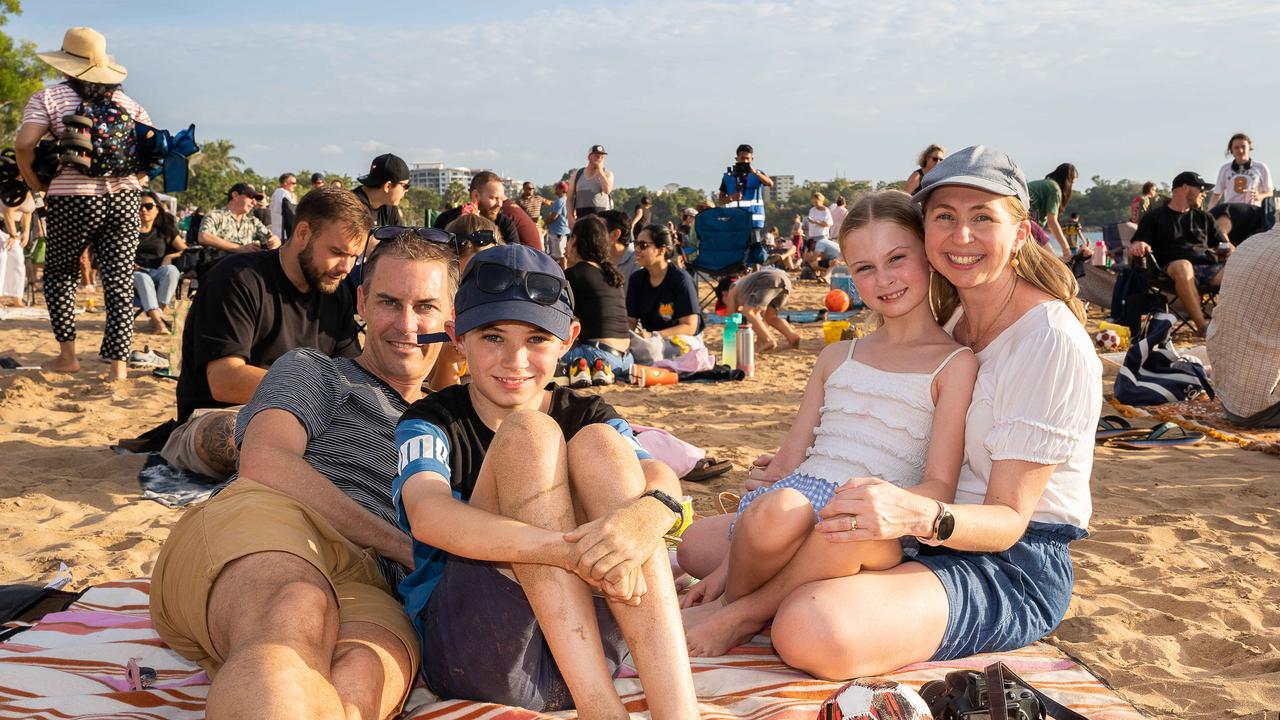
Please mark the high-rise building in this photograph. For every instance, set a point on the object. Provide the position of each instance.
(436, 177)
(781, 190)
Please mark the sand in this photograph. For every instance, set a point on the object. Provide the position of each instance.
(1177, 598)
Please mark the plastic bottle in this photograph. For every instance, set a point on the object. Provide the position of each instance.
(730, 345)
(1099, 253)
(747, 351)
(646, 375)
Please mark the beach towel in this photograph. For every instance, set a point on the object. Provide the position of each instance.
(173, 487)
(75, 664)
(1155, 372)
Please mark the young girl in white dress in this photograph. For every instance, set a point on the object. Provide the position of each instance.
(890, 405)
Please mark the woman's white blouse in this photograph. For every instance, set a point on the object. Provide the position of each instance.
(1037, 398)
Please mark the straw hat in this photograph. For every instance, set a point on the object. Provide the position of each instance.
(84, 56)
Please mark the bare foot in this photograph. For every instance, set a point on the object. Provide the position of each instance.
(116, 372)
(157, 326)
(720, 633)
(698, 614)
(794, 342)
(764, 347)
(59, 365)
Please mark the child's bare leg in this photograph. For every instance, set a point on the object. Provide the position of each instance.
(768, 534)
(525, 476)
(705, 546)
(606, 475)
(780, 323)
(817, 559)
(764, 338)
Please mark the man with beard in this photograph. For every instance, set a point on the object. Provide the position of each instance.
(487, 197)
(254, 307)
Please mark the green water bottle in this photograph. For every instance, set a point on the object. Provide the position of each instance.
(730, 345)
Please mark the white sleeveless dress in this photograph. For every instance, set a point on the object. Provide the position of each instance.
(874, 423)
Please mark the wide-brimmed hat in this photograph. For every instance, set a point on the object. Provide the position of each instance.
(84, 57)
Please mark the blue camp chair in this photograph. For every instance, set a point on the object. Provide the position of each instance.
(723, 244)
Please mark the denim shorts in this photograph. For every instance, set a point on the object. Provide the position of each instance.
(1006, 600)
(620, 364)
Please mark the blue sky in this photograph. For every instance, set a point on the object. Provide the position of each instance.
(1121, 88)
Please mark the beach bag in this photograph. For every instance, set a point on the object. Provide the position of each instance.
(113, 134)
(1155, 373)
(645, 350)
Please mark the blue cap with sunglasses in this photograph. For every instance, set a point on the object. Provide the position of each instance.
(513, 282)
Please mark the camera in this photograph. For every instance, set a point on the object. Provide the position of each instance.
(964, 696)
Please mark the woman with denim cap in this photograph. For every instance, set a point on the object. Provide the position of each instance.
(992, 571)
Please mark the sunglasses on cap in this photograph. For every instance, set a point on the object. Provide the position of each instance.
(479, 239)
(542, 288)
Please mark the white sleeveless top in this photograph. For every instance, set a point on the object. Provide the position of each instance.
(875, 423)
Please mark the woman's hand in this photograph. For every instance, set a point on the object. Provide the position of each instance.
(872, 509)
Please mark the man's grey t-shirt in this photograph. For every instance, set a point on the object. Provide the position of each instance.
(350, 416)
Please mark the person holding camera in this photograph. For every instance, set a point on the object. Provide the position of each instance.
(742, 187)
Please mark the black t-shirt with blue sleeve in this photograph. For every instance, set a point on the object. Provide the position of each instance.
(442, 433)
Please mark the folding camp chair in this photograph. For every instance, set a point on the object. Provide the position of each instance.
(1166, 292)
(723, 245)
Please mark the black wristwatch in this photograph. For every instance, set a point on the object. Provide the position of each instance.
(672, 504)
(944, 523)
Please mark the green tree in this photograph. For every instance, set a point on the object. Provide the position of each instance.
(21, 74)
(455, 194)
(416, 203)
(1105, 203)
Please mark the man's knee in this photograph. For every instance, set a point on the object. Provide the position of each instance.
(1179, 270)
(271, 597)
(215, 442)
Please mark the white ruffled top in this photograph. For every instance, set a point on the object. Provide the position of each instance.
(1037, 398)
(874, 423)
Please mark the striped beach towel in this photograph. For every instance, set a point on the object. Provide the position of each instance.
(75, 664)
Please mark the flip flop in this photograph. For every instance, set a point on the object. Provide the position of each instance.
(1114, 426)
(706, 469)
(1161, 435)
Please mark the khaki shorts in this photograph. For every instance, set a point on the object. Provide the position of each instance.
(249, 518)
(180, 449)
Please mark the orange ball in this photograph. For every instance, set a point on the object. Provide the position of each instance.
(837, 300)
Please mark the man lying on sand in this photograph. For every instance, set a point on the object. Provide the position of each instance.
(273, 586)
(253, 308)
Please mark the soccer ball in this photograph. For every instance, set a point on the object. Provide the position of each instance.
(837, 300)
(1108, 340)
(874, 699)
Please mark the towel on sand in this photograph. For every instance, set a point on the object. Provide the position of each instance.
(74, 664)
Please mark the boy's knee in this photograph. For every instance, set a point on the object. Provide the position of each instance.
(529, 426)
(596, 441)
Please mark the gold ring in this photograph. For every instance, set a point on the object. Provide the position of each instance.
(853, 523)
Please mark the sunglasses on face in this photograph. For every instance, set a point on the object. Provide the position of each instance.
(935, 158)
(542, 288)
(645, 245)
(148, 206)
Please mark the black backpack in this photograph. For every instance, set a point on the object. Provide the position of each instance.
(113, 133)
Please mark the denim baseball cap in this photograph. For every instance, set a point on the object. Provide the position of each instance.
(474, 307)
(977, 167)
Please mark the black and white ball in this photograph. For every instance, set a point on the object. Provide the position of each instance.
(874, 699)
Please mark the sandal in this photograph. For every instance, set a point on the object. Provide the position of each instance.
(1114, 426)
(1161, 435)
(706, 469)
(728, 502)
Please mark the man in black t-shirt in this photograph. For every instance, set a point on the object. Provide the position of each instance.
(487, 197)
(254, 307)
(1186, 242)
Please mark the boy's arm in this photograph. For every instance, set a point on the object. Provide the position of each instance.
(442, 521)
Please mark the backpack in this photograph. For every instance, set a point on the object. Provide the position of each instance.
(1131, 298)
(1155, 373)
(115, 150)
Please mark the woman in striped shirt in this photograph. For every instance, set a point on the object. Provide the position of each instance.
(98, 208)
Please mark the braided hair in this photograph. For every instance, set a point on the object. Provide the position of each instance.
(591, 243)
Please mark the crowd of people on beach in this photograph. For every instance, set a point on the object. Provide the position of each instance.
(406, 491)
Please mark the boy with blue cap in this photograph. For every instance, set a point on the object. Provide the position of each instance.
(523, 498)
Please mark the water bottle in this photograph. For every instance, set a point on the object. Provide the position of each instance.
(747, 351)
(1099, 253)
(729, 347)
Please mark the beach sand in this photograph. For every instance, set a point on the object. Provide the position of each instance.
(1177, 598)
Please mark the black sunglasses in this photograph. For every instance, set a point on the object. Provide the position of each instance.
(479, 238)
(148, 206)
(542, 288)
(386, 233)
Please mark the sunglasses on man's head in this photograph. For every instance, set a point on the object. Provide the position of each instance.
(387, 233)
(542, 288)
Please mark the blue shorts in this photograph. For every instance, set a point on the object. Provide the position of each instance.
(620, 363)
(816, 490)
(1002, 601)
(1206, 273)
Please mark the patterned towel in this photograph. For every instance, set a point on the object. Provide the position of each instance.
(73, 664)
(173, 487)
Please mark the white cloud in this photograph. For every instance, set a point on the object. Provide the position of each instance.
(331, 149)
